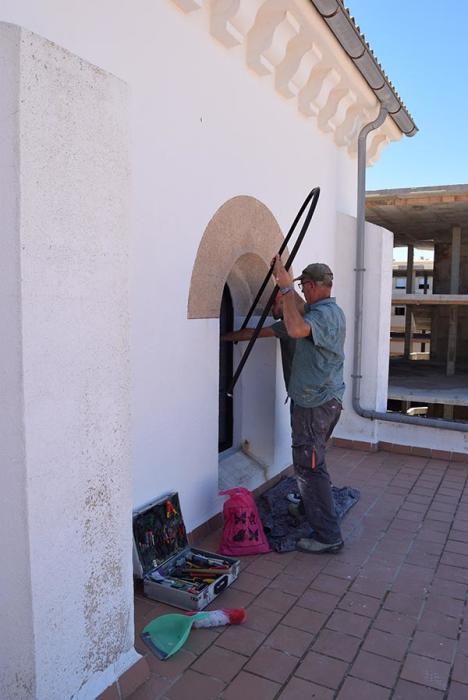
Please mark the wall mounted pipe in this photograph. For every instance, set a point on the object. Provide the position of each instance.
(359, 302)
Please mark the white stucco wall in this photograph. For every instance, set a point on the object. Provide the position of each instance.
(202, 131)
(16, 636)
(66, 498)
(376, 322)
(375, 346)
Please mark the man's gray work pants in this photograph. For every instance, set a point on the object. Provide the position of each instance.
(311, 429)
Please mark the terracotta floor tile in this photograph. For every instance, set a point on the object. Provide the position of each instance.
(330, 584)
(276, 600)
(349, 623)
(444, 604)
(298, 689)
(371, 586)
(200, 639)
(319, 601)
(353, 688)
(272, 664)
(375, 669)
(154, 688)
(280, 557)
(111, 693)
(404, 604)
(463, 644)
(303, 619)
(332, 628)
(425, 671)
(452, 573)
(433, 645)
(336, 644)
(411, 691)
(457, 691)
(342, 570)
(172, 667)
(246, 686)
(250, 583)
(453, 589)
(220, 663)
(261, 619)
(195, 685)
(360, 604)
(460, 670)
(289, 584)
(289, 640)
(231, 598)
(241, 639)
(392, 646)
(322, 670)
(395, 623)
(266, 568)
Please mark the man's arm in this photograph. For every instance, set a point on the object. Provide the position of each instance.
(246, 334)
(293, 319)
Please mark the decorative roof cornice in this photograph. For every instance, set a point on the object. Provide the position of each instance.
(344, 27)
(286, 39)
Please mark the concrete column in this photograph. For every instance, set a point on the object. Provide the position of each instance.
(409, 313)
(65, 515)
(453, 310)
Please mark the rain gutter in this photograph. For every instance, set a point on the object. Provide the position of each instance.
(359, 302)
(348, 34)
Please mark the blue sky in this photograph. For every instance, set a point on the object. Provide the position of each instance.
(421, 45)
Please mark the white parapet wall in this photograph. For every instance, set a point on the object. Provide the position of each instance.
(65, 515)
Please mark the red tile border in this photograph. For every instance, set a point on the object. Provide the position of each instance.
(133, 678)
(396, 448)
(111, 693)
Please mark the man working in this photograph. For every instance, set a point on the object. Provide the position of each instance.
(276, 330)
(316, 387)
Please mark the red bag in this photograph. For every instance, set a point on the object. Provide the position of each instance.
(243, 530)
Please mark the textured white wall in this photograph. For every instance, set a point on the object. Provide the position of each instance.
(16, 636)
(202, 132)
(376, 321)
(66, 262)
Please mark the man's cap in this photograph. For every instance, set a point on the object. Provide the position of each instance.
(317, 272)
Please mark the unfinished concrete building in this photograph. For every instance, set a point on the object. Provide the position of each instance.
(435, 301)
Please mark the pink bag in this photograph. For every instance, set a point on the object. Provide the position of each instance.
(243, 530)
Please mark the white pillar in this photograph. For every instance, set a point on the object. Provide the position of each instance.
(453, 310)
(409, 310)
(65, 508)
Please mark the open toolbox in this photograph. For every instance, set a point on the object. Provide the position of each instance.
(173, 572)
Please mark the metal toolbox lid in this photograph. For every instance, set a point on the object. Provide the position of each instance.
(158, 533)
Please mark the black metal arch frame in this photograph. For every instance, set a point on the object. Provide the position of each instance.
(311, 202)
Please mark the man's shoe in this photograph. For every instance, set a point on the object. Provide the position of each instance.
(308, 544)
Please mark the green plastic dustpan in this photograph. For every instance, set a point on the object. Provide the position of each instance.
(168, 633)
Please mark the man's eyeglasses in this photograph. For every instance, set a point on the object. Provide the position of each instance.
(302, 284)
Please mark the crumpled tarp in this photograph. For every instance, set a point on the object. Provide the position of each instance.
(281, 528)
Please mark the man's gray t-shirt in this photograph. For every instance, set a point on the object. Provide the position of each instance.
(317, 369)
(288, 347)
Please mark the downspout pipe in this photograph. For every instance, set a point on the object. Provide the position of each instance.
(359, 301)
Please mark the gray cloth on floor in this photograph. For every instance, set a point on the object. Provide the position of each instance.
(282, 529)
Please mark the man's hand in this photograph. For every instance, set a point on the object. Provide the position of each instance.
(282, 276)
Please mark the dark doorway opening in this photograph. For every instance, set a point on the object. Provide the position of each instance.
(226, 363)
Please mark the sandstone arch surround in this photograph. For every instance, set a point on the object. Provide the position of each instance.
(236, 247)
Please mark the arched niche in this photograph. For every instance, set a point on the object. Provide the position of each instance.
(236, 248)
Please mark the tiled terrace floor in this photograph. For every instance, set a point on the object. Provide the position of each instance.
(385, 618)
